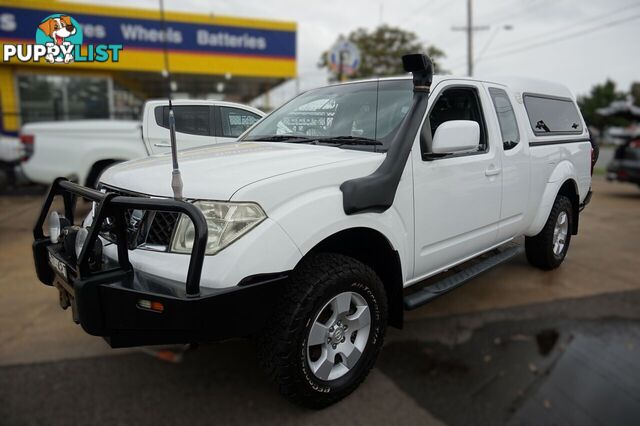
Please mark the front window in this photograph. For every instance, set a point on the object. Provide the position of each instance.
(458, 103)
(357, 114)
(506, 118)
(235, 121)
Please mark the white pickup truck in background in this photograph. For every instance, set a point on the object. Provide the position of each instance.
(11, 152)
(81, 150)
(11, 149)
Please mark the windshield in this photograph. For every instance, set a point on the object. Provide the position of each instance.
(357, 114)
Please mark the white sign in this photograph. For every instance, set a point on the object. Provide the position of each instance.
(350, 58)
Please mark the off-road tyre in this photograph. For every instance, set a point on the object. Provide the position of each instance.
(539, 248)
(283, 343)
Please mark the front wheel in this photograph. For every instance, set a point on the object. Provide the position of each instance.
(327, 332)
(548, 249)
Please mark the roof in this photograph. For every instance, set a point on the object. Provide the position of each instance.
(518, 85)
(206, 102)
(522, 85)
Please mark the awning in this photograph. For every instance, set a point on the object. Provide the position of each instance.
(624, 109)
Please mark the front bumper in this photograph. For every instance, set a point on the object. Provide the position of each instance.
(112, 301)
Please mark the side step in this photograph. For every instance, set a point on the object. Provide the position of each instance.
(451, 282)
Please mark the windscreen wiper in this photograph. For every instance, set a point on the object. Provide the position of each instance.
(350, 140)
(283, 138)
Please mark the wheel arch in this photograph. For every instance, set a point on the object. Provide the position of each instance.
(373, 249)
(97, 168)
(570, 189)
(567, 187)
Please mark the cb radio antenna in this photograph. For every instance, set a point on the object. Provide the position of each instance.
(176, 177)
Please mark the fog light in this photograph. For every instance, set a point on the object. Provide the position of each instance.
(151, 305)
(57, 224)
(54, 227)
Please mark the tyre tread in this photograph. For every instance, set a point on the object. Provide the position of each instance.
(290, 320)
(537, 247)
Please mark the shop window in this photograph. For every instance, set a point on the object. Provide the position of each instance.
(54, 97)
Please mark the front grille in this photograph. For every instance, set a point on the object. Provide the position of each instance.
(160, 229)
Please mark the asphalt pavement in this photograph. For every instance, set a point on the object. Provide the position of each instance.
(514, 346)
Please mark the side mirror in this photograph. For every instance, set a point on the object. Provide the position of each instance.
(456, 136)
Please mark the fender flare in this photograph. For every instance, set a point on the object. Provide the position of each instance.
(563, 172)
(313, 240)
(385, 260)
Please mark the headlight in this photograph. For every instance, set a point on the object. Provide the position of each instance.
(226, 222)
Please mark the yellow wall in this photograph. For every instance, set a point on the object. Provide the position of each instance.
(8, 100)
(190, 18)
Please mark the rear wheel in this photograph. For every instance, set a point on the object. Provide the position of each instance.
(548, 249)
(328, 330)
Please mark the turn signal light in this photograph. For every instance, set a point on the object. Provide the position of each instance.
(27, 142)
(151, 305)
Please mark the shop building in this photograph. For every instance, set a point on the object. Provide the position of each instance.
(208, 56)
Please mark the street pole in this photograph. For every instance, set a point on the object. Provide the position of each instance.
(470, 29)
(469, 38)
(341, 66)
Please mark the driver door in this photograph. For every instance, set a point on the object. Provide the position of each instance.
(456, 196)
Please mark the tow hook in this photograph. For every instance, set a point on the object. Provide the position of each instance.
(65, 302)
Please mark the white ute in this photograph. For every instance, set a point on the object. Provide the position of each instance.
(81, 150)
(320, 225)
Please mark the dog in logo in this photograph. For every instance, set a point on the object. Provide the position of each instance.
(58, 29)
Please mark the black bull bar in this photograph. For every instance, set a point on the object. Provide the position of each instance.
(106, 300)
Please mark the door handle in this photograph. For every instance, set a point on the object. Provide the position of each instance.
(492, 171)
(162, 145)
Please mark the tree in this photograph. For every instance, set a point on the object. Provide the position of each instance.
(601, 95)
(382, 48)
(635, 92)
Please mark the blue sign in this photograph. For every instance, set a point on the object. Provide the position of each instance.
(19, 24)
